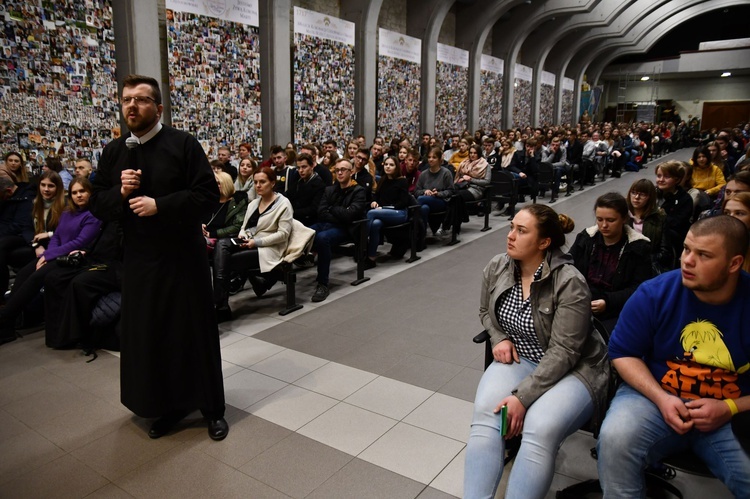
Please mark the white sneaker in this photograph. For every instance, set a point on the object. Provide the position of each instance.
(440, 233)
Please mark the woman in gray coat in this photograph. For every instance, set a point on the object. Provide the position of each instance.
(550, 371)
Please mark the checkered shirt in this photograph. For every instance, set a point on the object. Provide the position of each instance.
(514, 316)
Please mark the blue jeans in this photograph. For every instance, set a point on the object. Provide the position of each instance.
(431, 203)
(559, 412)
(379, 218)
(635, 435)
(327, 236)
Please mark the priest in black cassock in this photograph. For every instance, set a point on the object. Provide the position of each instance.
(158, 183)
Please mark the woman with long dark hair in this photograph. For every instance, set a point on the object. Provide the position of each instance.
(614, 258)
(388, 206)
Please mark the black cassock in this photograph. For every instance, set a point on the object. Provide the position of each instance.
(170, 358)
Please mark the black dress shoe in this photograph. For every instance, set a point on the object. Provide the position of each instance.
(223, 314)
(164, 425)
(218, 429)
(259, 284)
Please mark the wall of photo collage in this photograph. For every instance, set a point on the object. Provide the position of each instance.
(399, 85)
(491, 88)
(566, 114)
(214, 73)
(58, 93)
(323, 77)
(547, 99)
(451, 89)
(522, 96)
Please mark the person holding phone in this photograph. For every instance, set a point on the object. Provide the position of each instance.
(264, 233)
(549, 370)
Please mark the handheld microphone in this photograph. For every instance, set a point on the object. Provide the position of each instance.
(132, 143)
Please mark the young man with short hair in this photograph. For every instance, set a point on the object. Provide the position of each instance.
(682, 348)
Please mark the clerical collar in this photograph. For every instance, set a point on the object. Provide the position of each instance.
(150, 135)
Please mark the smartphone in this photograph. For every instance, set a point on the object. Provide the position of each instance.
(503, 420)
(237, 241)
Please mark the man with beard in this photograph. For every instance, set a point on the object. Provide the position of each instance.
(158, 183)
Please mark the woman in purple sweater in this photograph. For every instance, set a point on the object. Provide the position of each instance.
(76, 232)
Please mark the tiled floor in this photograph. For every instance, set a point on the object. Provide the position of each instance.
(368, 394)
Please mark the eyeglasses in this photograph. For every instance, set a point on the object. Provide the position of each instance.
(139, 101)
(360, 158)
(342, 170)
(639, 194)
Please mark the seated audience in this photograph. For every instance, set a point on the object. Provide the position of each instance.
(461, 155)
(329, 161)
(308, 192)
(260, 243)
(556, 155)
(388, 206)
(738, 206)
(706, 178)
(323, 171)
(286, 175)
(410, 169)
(681, 350)
(342, 203)
(56, 165)
(676, 203)
(525, 166)
(433, 189)
(76, 232)
(16, 228)
(472, 179)
(612, 257)
(362, 174)
(648, 219)
(83, 168)
(739, 182)
(549, 371)
(15, 168)
(72, 293)
(244, 181)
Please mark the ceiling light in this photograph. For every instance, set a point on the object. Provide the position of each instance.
(725, 74)
(645, 78)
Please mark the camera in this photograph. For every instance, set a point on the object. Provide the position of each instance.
(72, 260)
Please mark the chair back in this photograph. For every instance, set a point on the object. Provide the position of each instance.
(545, 176)
(503, 186)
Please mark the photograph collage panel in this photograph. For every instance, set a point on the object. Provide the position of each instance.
(399, 85)
(522, 103)
(546, 104)
(214, 80)
(567, 107)
(451, 98)
(323, 89)
(491, 101)
(58, 93)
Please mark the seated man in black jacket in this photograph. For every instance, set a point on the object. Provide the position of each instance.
(308, 191)
(342, 203)
(525, 165)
